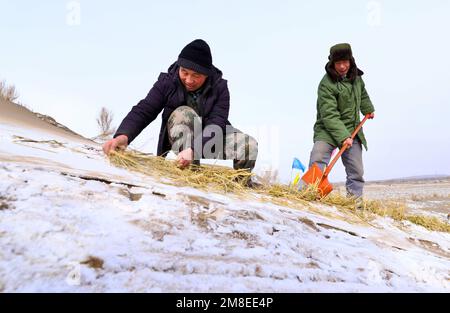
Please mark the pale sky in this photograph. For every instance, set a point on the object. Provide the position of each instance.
(69, 58)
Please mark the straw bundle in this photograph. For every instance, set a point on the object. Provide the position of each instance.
(224, 179)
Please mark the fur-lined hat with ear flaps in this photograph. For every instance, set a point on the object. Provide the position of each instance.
(341, 52)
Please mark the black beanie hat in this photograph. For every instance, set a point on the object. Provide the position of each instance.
(196, 56)
(341, 51)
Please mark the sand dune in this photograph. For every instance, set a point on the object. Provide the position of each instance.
(14, 114)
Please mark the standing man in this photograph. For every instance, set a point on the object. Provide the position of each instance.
(341, 97)
(195, 102)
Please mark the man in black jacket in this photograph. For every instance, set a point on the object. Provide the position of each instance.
(195, 102)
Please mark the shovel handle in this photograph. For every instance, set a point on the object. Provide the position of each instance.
(344, 147)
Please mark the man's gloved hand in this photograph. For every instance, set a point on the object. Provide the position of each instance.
(120, 142)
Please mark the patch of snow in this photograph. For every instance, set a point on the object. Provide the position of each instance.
(67, 233)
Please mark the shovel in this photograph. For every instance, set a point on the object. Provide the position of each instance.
(314, 174)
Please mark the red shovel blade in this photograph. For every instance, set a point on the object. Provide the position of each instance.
(325, 187)
(315, 176)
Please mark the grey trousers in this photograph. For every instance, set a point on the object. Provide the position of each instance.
(352, 160)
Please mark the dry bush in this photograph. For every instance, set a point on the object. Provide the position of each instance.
(429, 197)
(104, 121)
(8, 93)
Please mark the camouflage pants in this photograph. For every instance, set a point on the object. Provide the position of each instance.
(235, 145)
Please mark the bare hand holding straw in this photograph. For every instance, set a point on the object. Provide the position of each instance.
(120, 142)
(185, 158)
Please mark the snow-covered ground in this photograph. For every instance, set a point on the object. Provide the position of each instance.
(71, 222)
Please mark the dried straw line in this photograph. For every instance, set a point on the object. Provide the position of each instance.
(224, 180)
